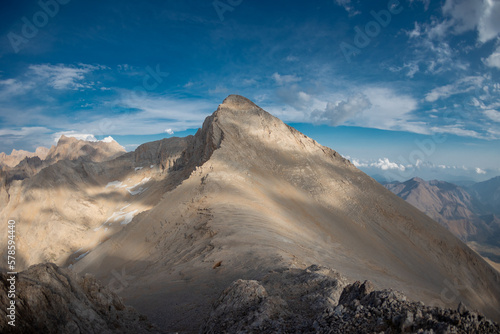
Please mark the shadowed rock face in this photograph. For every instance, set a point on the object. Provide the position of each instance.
(54, 300)
(318, 300)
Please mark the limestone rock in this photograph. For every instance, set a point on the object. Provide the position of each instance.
(54, 300)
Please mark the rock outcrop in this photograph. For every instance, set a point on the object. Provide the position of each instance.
(318, 300)
(54, 300)
(16, 156)
(69, 148)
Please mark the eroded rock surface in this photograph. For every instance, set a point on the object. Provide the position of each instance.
(318, 300)
(54, 300)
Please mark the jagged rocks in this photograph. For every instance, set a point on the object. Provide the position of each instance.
(285, 301)
(317, 300)
(54, 300)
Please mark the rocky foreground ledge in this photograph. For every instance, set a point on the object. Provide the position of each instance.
(314, 300)
(55, 300)
(318, 300)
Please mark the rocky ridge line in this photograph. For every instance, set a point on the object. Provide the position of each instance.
(319, 300)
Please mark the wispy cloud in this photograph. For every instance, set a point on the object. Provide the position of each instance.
(285, 79)
(10, 88)
(63, 76)
(463, 85)
(348, 7)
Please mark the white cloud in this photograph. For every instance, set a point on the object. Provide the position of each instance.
(460, 86)
(480, 171)
(13, 87)
(371, 107)
(489, 24)
(382, 163)
(411, 69)
(494, 59)
(169, 131)
(337, 113)
(466, 15)
(76, 135)
(493, 115)
(460, 16)
(24, 131)
(64, 77)
(458, 131)
(285, 79)
(81, 136)
(386, 164)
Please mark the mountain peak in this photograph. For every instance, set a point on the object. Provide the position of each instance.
(238, 102)
(417, 179)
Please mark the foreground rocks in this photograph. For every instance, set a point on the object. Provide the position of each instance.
(317, 300)
(55, 300)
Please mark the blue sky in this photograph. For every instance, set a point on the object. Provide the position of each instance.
(403, 88)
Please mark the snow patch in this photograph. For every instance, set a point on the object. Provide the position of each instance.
(82, 256)
(133, 191)
(121, 217)
(115, 184)
(138, 168)
(127, 218)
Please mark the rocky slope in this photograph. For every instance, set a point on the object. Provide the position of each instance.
(444, 202)
(488, 193)
(68, 207)
(182, 219)
(54, 300)
(319, 300)
(467, 213)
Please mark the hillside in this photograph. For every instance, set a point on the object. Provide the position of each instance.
(466, 212)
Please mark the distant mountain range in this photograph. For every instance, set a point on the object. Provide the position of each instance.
(472, 213)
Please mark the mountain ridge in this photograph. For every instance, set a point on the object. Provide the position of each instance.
(246, 195)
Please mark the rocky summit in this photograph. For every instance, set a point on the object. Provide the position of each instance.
(252, 204)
